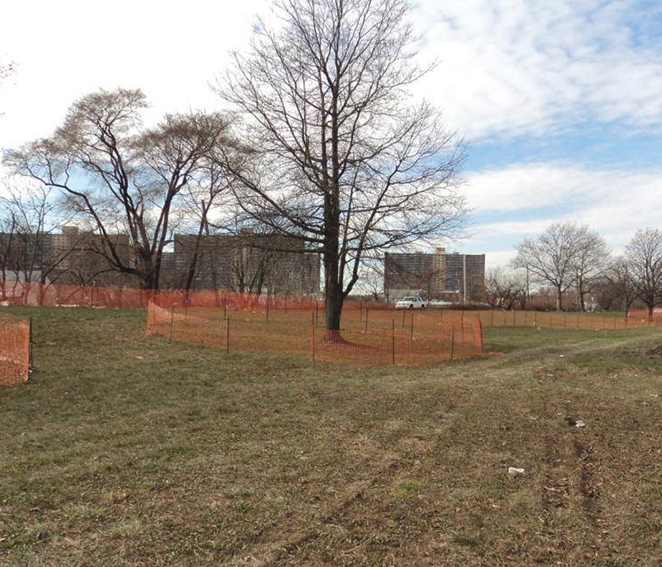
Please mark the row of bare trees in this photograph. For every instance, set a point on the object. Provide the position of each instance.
(568, 257)
(325, 146)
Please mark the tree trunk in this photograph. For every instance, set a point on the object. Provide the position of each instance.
(333, 295)
(581, 292)
(559, 298)
(651, 308)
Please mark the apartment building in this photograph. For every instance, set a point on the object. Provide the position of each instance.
(437, 275)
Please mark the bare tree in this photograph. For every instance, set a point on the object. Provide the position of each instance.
(644, 258)
(590, 262)
(341, 159)
(621, 283)
(29, 218)
(124, 179)
(505, 289)
(564, 255)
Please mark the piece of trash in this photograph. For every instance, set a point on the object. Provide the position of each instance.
(574, 422)
(139, 357)
(514, 470)
(561, 355)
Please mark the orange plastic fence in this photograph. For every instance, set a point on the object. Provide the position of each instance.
(53, 295)
(367, 337)
(14, 350)
(35, 294)
(558, 320)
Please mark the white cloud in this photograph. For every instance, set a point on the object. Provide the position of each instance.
(513, 67)
(69, 48)
(507, 67)
(527, 198)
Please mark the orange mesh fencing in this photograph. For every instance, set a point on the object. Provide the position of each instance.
(55, 295)
(367, 337)
(14, 350)
(558, 320)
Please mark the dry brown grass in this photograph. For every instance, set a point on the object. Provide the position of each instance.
(129, 451)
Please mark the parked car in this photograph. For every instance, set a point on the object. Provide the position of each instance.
(411, 303)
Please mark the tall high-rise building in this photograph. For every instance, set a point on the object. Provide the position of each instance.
(437, 275)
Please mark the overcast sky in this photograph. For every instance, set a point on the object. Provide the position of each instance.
(559, 101)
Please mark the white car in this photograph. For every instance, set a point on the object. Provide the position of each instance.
(411, 303)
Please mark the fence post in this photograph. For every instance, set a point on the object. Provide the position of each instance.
(172, 322)
(30, 360)
(312, 340)
(480, 336)
(411, 336)
(225, 306)
(393, 342)
(452, 342)
(403, 316)
(227, 336)
(492, 321)
(317, 304)
(365, 327)
(268, 301)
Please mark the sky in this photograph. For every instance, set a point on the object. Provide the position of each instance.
(559, 102)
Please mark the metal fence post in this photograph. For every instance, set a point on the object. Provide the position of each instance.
(411, 331)
(227, 336)
(453, 342)
(393, 342)
(30, 359)
(172, 322)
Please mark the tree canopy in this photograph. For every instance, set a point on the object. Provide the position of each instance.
(341, 157)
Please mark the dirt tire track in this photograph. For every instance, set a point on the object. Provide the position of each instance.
(267, 553)
(569, 480)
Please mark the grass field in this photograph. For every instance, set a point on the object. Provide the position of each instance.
(129, 451)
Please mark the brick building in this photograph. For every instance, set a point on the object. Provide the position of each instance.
(245, 263)
(437, 275)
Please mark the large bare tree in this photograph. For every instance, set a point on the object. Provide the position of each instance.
(122, 178)
(644, 257)
(590, 262)
(564, 255)
(342, 159)
(620, 283)
(505, 289)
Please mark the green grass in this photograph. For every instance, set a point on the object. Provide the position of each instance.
(124, 450)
